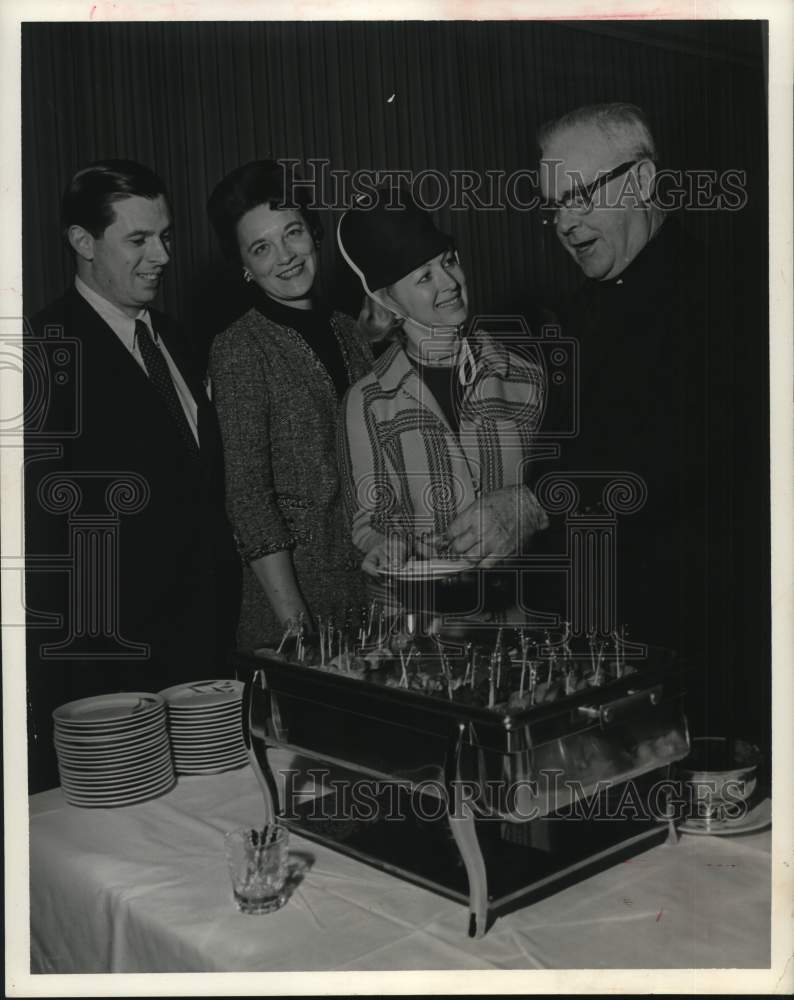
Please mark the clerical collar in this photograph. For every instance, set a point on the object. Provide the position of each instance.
(646, 260)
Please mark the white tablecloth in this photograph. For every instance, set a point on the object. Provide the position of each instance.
(145, 889)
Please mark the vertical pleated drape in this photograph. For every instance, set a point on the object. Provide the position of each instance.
(194, 100)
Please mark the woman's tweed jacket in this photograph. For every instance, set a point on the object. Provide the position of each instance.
(278, 411)
(403, 468)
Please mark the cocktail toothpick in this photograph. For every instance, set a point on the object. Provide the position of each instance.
(371, 618)
(523, 639)
(598, 662)
(320, 635)
(566, 642)
(533, 680)
(445, 669)
(552, 665)
(469, 647)
(284, 637)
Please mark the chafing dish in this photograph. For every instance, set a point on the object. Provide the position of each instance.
(484, 805)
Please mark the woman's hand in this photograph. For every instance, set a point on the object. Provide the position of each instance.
(496, 526)
(391, 553)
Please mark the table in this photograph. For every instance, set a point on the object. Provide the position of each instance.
(145, 889)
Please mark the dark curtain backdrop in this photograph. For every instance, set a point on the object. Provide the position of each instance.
(195, 100)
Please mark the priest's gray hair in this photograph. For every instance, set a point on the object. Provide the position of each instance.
(625, 124)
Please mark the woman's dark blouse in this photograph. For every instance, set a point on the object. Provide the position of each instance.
(277, 375)
(314, 325)
(442, 382)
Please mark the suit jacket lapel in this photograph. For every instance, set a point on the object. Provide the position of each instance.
(108, 362)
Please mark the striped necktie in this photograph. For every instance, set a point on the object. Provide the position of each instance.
(160, 377)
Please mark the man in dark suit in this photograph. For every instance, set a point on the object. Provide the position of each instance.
(658, 318)
(131, 570)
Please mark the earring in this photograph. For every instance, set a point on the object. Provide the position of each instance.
(247, 276)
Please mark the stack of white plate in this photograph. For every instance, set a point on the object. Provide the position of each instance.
(205, 724)
(113, 749)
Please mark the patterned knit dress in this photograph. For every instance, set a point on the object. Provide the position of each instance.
(278, 405)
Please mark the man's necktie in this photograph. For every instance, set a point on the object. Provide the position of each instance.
(160, 377)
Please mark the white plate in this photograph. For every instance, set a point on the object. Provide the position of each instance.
(116, 738)
(197, 725)
(106, 708)
(199, 742)
(428, 569)
(104, 763)
(115, 800)
(757, 818)
(196, 741)
(200, 705)
(203, 694)
(114, 792)
(203, 758)
(229, 725)
(233, 724)
(110, 728)
(231, 766)
(87, 744)
(111, 765)
(95, 786)
(221, 712)
(211, 766)
(117, 732)
(198, 736)
(126, 741)
(132, 775)
(206, 725)
(199, 760)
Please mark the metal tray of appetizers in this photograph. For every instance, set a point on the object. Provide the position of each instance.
(529, 722)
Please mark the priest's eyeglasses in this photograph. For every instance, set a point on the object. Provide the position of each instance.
(579, 201)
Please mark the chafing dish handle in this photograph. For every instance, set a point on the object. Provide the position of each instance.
(611, 711)
(261, 768)
(460, 817)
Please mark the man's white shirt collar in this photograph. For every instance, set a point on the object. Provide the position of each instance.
(124, 328)
(119, 322)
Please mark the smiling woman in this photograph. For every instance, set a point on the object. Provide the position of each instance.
(278, 373)
(437, 438)
(278, 253)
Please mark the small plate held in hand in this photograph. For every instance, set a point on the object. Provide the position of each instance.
(427, 569)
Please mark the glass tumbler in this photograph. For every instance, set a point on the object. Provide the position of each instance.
(257, 861)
